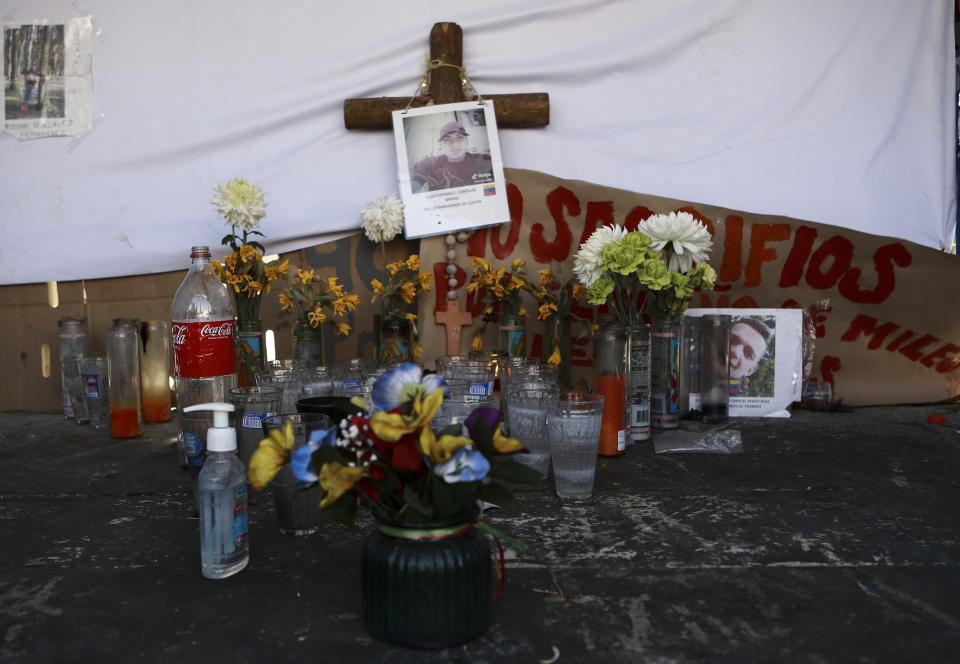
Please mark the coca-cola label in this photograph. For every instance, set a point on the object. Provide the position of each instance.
(203, 349)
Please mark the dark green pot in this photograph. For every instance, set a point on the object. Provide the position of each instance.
(426, 593)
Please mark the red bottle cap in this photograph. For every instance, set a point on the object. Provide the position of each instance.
(937, 419)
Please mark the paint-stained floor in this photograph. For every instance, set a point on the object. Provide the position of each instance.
(833, 537)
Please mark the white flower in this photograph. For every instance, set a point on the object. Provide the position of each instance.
(683, 239)
(383, 218)
(240, 203)
(586, 264)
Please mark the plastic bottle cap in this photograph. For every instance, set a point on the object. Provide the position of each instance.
(221, 437)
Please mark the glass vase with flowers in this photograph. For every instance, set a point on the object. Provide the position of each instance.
(315, 301)
(500, 290)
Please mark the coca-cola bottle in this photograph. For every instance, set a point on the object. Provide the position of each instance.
(204, 365)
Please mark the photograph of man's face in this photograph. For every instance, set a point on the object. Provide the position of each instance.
(747, 347)
(454, 143)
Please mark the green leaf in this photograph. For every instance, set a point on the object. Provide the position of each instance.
(227, 238)
(326, 454)
(254, 233)
(411, 498)
(257, 245)
(512, 471)
(343, 510)
(498, 495)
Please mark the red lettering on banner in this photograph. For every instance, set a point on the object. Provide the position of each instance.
(635, 216)
(732, 249)
(949, 365)
(477, 244)
(558, 249)
(913, 351)
(793, 267)
(899, 341)
(536, 348)
(760, 253)
(503, 249)
(866, 325)
(744, 302)
(939, 354)
(840, 249)
(883, 261)
(578, 356)
(828, 365)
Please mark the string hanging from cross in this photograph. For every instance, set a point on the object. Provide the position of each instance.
(423, 87)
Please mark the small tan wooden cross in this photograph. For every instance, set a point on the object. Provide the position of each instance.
(446, 46)
(453, 319)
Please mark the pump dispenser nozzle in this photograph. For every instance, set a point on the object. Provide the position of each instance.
(221, 437)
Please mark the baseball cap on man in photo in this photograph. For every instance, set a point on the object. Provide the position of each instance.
(452, 128)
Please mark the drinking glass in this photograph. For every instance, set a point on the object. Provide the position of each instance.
(252, 405)
(527, 406)
(74, 383)
(573, 422)
(290, 380)
(298, 510)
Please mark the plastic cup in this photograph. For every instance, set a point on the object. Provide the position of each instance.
(573, 422)
(298, 510)
(252, 405)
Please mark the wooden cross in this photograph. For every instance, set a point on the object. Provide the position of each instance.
(446, 45)
(453, 319)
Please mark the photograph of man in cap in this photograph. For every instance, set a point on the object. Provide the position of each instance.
(455, 166)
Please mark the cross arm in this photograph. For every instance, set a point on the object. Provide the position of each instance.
(514, 111)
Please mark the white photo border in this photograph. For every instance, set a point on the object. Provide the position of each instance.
(453, 204)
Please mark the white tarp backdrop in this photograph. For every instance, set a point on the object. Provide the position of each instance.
(835, 112)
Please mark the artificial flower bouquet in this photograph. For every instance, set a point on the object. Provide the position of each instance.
(317, 300)
(665, 256)
(386, 454)
(242, 205)
(498, 289)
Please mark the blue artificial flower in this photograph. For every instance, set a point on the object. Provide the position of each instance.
(466, 465)
(300, 461)
(403, 384)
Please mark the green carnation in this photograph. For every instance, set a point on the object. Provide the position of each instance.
(653, 274)
(703, 275)
(681, 285)
(599, 290)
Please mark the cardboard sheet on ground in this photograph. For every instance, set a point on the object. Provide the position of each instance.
(886, 327)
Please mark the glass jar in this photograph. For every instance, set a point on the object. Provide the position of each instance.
(715, 368)
(308, 344)
(74, 340)
(665, 375)
(155, 370)
(250, 349)
(513, 336)
(638, 382)
(610, 381)
(123, 366)
(394, 339)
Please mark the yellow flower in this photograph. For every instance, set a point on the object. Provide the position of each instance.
(377, 286)
(253, 287)
(411, 317)
(316, 317)
(555, 358)
(271, 273)
(593, 327)
(522, 312)
(234, 281)
(440, 449)
(408, 292)
(426, 280)
(306, 276)
(516, 264)
(283, 267)
(285, 302)
(413, 262)
(417, 351)
(476, 261)
(231, 261)
(546, 310)
(499, 292)
(477, 340)
(391, 427)
(515, 284)
(246, 253)
(342, 328)
(546, 276)
(504, 444)
(579, 292)
(336, 479)
(473, 287)
(393, 268)
(333, 287)
(270, 456)
(217, 268)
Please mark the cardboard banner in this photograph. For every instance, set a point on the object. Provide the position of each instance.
(885, 326)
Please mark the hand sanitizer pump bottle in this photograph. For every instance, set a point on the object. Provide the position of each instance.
(222, 499)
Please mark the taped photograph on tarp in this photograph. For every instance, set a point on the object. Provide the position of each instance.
(47, 80)
(450, 168)
(766, 360)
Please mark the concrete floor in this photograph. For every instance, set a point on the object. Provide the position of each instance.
(834, 537)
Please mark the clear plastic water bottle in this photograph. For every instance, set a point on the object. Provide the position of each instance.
(203, 348)
(222, 498)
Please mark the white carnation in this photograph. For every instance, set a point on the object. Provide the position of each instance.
(586, 264)
(240, 203)
(681, 237)
(383, 218)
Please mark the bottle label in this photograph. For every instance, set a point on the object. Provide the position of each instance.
(240, 521)
(91, 385)
(254, 420)
(193, 446)
(202, 349)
